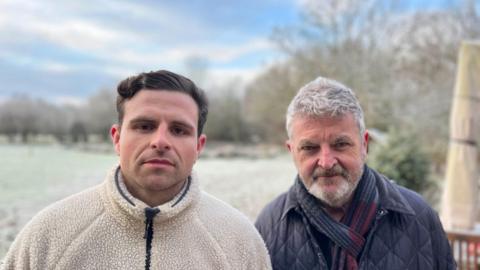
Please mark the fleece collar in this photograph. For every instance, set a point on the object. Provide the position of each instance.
(127, 206)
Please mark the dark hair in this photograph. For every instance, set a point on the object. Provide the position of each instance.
(162, 80)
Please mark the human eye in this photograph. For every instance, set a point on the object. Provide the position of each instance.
(179, 130)
(308, 147)
(144, 126)
(341, 144)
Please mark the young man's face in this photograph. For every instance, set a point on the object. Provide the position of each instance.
(329, 154)
(157, 143)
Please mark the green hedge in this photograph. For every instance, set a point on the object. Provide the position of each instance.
(402, 159)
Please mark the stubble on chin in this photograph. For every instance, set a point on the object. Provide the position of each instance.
(345, 187)
(335, 199)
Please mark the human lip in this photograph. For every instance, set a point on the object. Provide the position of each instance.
(325, 177)
(336, 171)
(159, 162)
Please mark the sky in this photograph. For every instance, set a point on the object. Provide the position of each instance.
(64, 51)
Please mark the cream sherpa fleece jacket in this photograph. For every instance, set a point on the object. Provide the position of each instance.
(104, 228)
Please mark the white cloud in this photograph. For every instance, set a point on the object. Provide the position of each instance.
(221, 53)
(70, 24)
(219, 78)
(68, 28)
(127, 61)
(77, 34)
(73, 33)
(52, 66)
(121, 38)
(214, 53)
(69, 100)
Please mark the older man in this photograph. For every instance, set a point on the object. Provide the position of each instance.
(149, 213)
(339, 213)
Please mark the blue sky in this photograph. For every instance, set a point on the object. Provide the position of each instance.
(66, 50)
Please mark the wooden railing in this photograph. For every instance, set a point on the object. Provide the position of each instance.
(466, 249)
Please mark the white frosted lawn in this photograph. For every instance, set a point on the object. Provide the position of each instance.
(32, 177)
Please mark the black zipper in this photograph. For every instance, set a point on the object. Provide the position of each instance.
(148, 236)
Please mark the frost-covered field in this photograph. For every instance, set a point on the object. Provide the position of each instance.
(32, 177)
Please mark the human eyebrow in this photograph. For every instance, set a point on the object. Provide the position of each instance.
(307, 145)
(183, 125)
(342, 141)
(142, 120)
(143, 124)
(343, 138)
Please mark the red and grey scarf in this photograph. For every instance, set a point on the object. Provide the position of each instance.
(348, 235)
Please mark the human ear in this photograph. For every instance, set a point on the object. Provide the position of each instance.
(115, 135)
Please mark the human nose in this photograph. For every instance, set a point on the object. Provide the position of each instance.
(160, 139)
(326, 158)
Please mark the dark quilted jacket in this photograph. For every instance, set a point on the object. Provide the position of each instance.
(407, 234)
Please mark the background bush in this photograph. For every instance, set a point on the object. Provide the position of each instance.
(402, 159)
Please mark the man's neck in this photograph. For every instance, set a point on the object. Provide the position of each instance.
(154, 198)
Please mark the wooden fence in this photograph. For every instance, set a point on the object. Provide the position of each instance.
(466, 249)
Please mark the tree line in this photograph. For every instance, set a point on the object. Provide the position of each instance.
(401, 63)
(23, 119)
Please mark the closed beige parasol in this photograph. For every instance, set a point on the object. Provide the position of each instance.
(461, 191)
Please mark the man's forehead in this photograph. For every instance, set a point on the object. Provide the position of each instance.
(323, 116)
(155, 116)
(153, 104)
(159, 98)
(331, 138)
(342, 125)
(314, 121)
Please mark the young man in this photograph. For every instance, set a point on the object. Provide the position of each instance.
(340, 214)
(149, 213)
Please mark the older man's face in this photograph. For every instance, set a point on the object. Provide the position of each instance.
(329, 154)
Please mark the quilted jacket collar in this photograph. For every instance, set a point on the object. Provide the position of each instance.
(390, 197)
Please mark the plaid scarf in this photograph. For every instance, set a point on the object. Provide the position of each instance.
(348, 235)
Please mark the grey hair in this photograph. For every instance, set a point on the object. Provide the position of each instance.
(324, 97)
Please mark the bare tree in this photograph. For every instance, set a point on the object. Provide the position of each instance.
(267, 98)
(400, 64)
(339, 40)
(226, 117)
(100, 113)
(8, 123)
(21, 116)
